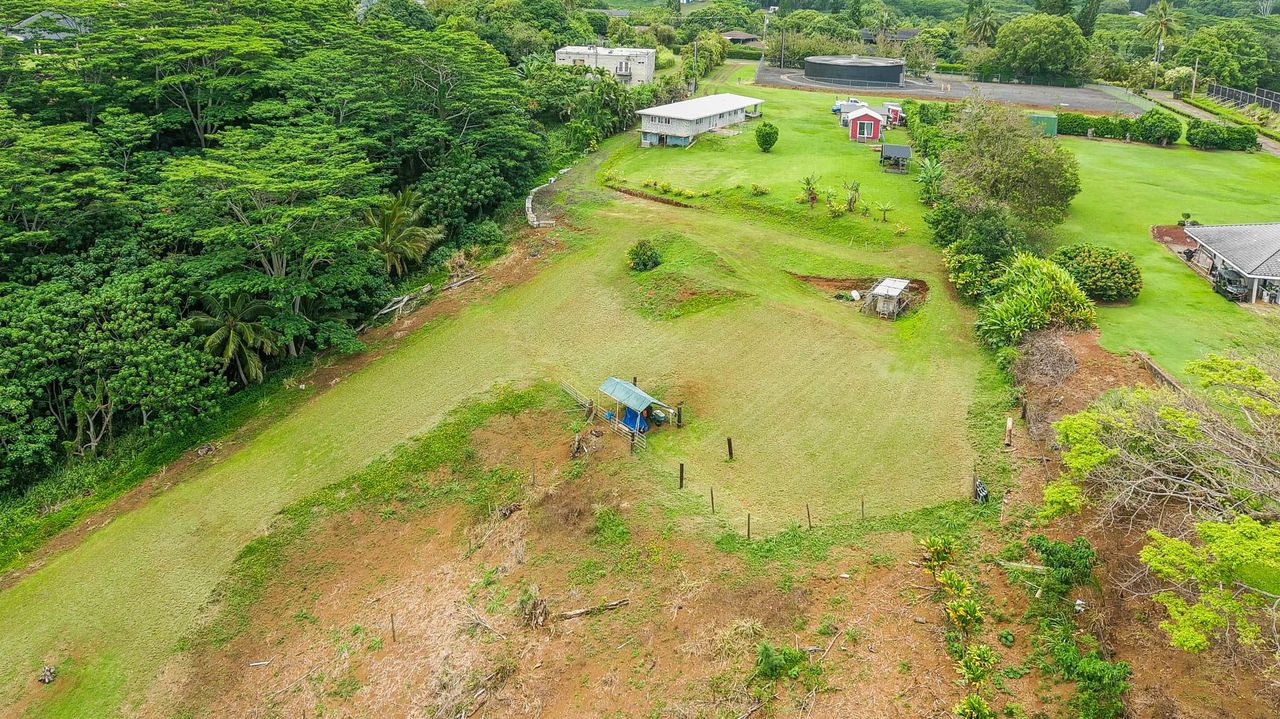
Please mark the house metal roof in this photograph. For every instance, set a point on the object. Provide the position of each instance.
(1254, 250)
(629, 395)
(890, 287)
(700, 107)
(864, 110)
(895, 151)
(47, 25)
(739, 35)
(607, 51)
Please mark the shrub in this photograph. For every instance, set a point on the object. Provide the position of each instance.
(1157, 128)
(1113, 127)
(1006, 638)
(743, 52)
(966, 615)
(977, 663)
(643, 256)
(766, 136)
(1212, 136)
(938, 552)
(973, 707)
(1062, 497)
(952, 67)
(758, 190)
(1104, 273)
(779, 662)
(485, 232)
(1032, 294)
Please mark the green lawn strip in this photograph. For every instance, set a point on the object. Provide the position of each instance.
(31, 517)
(1127, 188)
(392, 485)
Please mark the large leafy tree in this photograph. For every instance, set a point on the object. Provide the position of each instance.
(1042, 46)
(278, 211)
(1000, 158)
(1231, 53)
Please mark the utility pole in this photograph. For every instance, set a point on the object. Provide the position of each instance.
(696, 70)
(1195, 76)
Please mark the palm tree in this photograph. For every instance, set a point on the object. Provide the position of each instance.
(929, 174)
(1161, 25)
(884, 208)
(400, 237)
(236, 333)
(884, 27)
(983, 25)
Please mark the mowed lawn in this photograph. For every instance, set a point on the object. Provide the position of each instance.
(1127, 188)
(825, 406)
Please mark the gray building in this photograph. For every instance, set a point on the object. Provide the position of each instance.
(1243, 260)
(680, 122)
(631, 65)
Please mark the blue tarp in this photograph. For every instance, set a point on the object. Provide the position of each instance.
(633, 420)
(631, 396)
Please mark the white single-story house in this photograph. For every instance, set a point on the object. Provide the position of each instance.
(1242, 256)
(631, 65)
(680, 122)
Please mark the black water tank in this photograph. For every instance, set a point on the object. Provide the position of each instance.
(853, 70)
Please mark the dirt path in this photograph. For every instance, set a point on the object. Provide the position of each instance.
(1268, 145)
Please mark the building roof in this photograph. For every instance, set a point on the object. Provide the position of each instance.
(1254, 250)
(902, 35)
(890, 287)
(865, 110)
(700, 107)
(892, 152)
(610, 13)
(47, 25)
(629, 395)
(739, 35)
(607, 51)
(855, 60)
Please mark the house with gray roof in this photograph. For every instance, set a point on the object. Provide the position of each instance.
(680, 122)
(47, 25)
(1247, 255)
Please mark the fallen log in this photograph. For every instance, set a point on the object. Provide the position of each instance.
(593, 610)
(461, 282)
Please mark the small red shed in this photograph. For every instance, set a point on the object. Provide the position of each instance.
(865, 124)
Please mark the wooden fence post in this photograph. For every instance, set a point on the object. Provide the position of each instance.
(393, 627)
(682, 475)
(633, 441)
(748, 526)
(713, 500)
(680, 415)
(807, 515)
(864, 506)
(729, 440)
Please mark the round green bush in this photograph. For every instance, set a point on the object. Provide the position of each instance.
(1104, 273)
(766, 136)
(643, 256)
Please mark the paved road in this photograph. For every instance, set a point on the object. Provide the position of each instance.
(945, 87)
(1268, 145)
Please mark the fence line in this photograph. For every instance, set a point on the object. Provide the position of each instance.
(1242, 98)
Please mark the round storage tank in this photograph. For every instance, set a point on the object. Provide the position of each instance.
(852, 70)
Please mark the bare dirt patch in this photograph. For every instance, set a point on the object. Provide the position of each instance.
(1064, 372)
(918, 289)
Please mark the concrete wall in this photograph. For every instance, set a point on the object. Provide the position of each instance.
(630, 65)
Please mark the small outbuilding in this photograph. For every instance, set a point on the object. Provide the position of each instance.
(893, 113)
(865, 125)
(888, 299)
(633, 407)
(1046, 123)
(894, 158)
(1244, 260)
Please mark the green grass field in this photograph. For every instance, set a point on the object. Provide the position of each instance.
(824, 405)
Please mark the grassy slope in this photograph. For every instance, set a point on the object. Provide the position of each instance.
(787, 372)
(1128, 188)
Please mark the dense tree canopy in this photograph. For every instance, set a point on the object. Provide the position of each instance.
(1042, 46)
(190, 192)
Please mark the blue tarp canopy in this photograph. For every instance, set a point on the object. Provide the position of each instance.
(631, 396)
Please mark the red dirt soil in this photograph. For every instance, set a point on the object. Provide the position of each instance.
(833, 285)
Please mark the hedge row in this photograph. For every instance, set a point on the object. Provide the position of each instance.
(1212, 136)
(1230, 114)
(744, 52)
(1156, 127)
(952, 67)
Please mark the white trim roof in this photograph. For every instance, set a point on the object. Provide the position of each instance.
(865, 111)
(1254, 249)
(700, 107)
(607, 51)
(890, 287)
